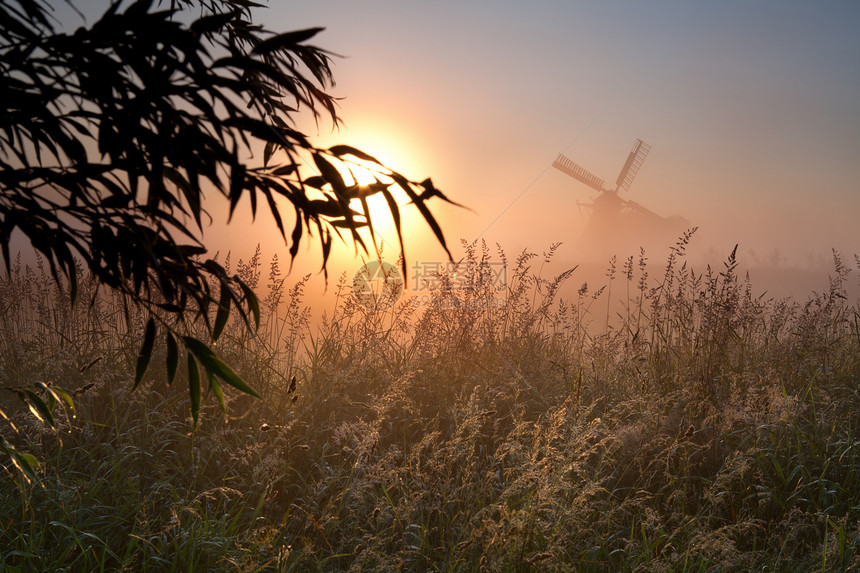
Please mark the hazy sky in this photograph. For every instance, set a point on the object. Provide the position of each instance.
(752, 110)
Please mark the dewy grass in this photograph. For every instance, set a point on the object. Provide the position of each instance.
(680, 424)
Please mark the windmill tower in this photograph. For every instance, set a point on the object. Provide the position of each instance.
(616, 223)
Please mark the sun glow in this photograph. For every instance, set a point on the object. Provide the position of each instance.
(374, 209)
(379, 190)
(397, 148)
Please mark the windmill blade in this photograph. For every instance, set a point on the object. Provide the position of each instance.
(576, 171)
(631, 166)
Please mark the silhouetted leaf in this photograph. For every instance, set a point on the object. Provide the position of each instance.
(163, 116)
(26, 464)
(215, 366)
(211, 23)
(344, 224)
(394, 209)
(38, 408)
(194, 389)
(56, 395)
(341, 150)
(252, 301)
(63, 395)
(425, 212)
(219, 394)
(430, 191)
(223, 312)
(285, 170)
(145, 351)
(276, 214)
(326, 208)
(267, 153)
(285, 41)
(296, 237)
(330, 173)
(317, 182)
(172, 358)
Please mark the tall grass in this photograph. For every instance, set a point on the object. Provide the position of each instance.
(668, 420)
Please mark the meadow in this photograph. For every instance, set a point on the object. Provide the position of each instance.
(668, 419)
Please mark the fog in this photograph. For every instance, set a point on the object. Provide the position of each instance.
(752, 114)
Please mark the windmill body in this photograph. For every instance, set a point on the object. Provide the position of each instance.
(617, 225)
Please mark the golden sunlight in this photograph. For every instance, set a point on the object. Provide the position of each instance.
(374, 208)
(374, 180)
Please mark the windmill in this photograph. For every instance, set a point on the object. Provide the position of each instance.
(616, 222)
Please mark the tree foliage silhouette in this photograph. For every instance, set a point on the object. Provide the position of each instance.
(111, 135)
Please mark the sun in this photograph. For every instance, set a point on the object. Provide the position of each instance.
(397, 149)
(371, 179)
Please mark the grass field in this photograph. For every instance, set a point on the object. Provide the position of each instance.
(670, 420)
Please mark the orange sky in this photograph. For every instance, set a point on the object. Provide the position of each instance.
(752, 110)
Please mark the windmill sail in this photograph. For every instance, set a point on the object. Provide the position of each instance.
(615, 224)
(631, 166)
(576, 171)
